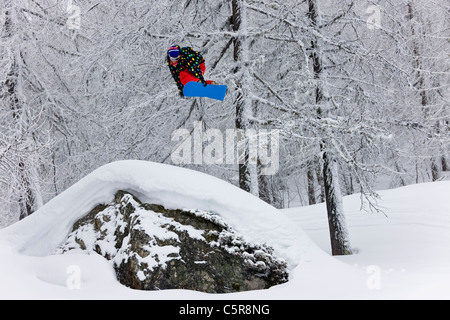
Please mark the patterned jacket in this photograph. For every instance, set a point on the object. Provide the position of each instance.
(190, 60)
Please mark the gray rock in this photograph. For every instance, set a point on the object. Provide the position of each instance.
(153, 248)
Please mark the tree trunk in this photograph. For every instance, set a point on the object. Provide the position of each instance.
(25, 201)
(248, 175)
(340, 245)
(420, 86)
(444, 164)
(310, 178)
(336, 221)
(320, 183)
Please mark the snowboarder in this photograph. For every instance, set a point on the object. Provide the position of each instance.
(186, 65)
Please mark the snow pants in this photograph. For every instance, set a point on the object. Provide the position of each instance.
(187, 76)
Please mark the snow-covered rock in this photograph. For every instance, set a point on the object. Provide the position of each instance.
(153, 248)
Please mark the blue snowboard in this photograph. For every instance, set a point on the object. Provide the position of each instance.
(197, 89)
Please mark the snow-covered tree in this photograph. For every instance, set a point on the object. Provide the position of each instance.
(25, 141)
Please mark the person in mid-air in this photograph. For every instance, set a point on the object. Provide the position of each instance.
(186, 65)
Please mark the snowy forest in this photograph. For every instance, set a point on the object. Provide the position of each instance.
(359, 92)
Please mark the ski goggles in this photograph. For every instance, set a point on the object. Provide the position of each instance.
(174, 53)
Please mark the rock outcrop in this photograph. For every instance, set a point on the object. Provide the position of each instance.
(153, 248)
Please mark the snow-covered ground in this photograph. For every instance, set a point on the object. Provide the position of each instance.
(404, 255)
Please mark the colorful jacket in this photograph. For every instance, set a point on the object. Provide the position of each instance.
(190, 60)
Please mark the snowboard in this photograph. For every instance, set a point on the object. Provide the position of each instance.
(197, 89)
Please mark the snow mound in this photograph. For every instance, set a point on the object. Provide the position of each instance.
(172, 187)
(29, 245)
